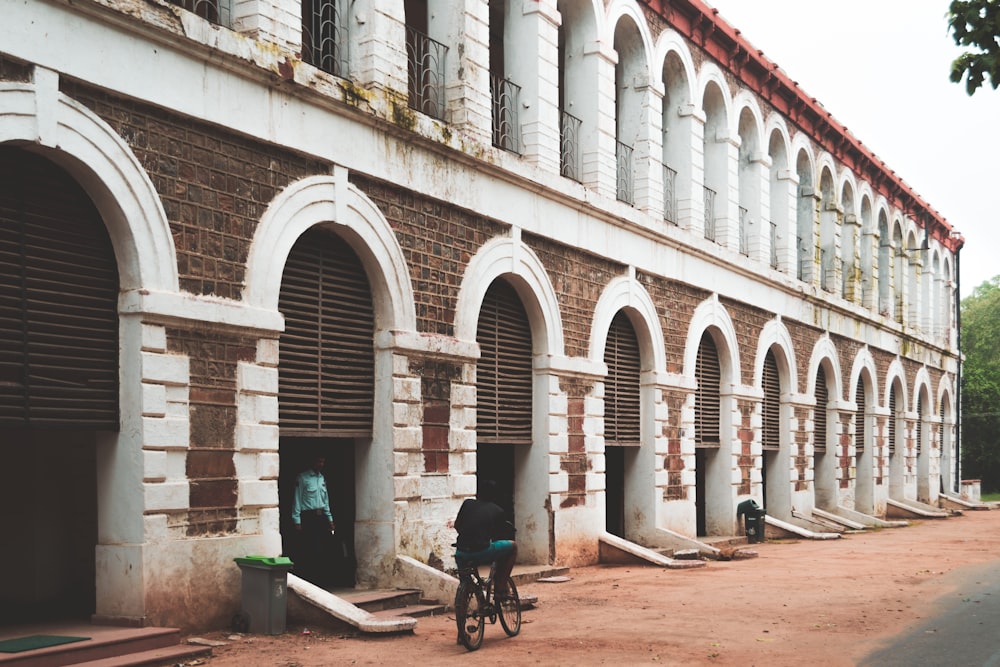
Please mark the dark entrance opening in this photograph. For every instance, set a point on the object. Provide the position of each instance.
(296, 455)
(701, 491)
(615, 493)
(496, 463)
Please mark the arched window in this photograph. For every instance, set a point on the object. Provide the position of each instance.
(707, 405)
(621, 388)
(771, 408)
(822, 395)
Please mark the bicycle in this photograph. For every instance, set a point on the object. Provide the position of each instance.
(475, 602)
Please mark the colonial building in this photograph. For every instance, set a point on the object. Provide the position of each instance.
(603, 253)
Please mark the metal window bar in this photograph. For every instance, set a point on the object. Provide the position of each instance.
(800, 264)
(215, 11)
(569, 146)
(325, 35)
(709, 213)
(624, 157)
(506, 125)
(744, 231)
(774, 245)
(425, 60)
(669, 195)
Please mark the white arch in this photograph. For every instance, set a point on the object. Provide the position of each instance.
(775, 334)
(509, 257)
(776, 123)
(331, 201)
(712, 314)
(625, 292)
(802, 146)
(746, 100)
(620, 8)
(863, 361)
(73, 136)
(894, 371)
(922, 381)
(670, 41)
(710, 73)
(825, 349)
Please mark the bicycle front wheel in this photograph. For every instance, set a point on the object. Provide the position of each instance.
(469, 616)
(509, 607)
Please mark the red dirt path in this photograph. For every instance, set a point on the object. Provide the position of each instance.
(799, 602)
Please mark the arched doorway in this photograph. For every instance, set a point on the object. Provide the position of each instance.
(774, 472)
(59, 389)
(504, 390)
(864, 449)
(712, 457)
(326, 379)
(621, 418)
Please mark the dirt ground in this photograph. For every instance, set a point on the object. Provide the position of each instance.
(798, 602)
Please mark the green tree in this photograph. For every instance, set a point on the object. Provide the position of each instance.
(976, 24)
(981, 385)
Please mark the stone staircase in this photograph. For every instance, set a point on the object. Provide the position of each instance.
(392, 603)
(106, 646)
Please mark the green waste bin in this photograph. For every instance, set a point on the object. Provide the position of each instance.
(265, 593)
(753, 520)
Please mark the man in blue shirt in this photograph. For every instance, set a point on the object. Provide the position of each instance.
(313, 522)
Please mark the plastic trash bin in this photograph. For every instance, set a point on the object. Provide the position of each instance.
(753, 520)
(264, 594)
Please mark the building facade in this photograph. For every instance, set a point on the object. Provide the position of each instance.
(605, 254)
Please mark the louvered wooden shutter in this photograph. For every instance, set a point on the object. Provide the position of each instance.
(892, 419)
(771, 409)
(58, 301)
(707, 402)
(859, 417)
(326, 373)
(819, 414)
(920, 423)
(621, 388)
(504, 372)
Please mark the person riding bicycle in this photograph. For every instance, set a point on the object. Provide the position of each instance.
(480, 523)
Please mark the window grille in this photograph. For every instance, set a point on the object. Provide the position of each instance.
(216, 11)
(569, 143)
(425, 61)
(709, 213)
(892, 420)
(325, 37)
(669, 195)
(774, 245)
(624, 158)
(744, 231)
(506, 122)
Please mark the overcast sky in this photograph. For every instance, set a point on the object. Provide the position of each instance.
(881, 68)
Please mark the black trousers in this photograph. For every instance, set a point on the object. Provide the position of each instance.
(312, 561)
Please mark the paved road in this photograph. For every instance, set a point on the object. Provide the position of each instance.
(965, 632)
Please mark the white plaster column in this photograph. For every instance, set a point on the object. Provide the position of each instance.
(534, 37)
(597, 140)
(377, 45)
(647, 173)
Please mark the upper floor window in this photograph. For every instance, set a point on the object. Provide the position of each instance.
(325, 35)
(504, 92)
(425, 60)
(216, 11)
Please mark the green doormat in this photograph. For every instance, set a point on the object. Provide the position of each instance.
(36, 641)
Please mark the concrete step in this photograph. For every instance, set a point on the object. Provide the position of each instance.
(412, 610)
(103, 643)
(374, 600)
(159, 657)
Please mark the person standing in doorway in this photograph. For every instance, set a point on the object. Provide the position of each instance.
(313, 523)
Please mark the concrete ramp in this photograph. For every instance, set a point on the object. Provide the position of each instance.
(866, 520)
(779, 528)
(614, 549)
(949, 501)
(911, 509)
(842, 521)
(345, 612)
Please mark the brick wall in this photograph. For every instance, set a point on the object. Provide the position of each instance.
(214, 185)
(676, 303)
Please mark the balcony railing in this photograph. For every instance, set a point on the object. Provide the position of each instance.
(623, 154)
(325, 35)
(506, 124)
(569, 146)
(425, 61)
(669, 195)
(709, 214)
(774, 245)
(744, 231)
(216, 11)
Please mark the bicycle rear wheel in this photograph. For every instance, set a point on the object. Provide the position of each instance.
(469, 616)
(509, 607)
